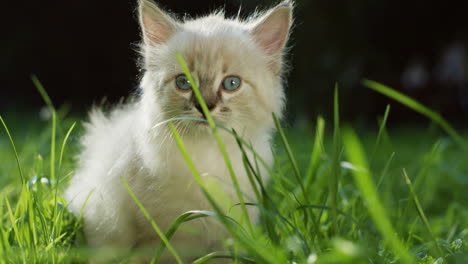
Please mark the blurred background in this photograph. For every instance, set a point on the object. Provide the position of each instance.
(83, 51)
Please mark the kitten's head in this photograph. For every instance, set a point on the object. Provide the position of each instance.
(236, 64)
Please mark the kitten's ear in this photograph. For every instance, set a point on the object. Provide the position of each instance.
(271, 31)
(157, 26)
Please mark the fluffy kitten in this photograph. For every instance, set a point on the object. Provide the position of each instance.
(238, 66)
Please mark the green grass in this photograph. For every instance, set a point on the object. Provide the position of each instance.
(337, 194)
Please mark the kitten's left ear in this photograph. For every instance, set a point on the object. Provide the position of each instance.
(271, 31)
(157, 26)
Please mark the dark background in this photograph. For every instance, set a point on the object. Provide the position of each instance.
(83, 51)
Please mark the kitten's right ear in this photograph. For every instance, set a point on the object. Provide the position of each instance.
(156, 25)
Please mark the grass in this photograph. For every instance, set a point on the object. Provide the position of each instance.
(336, 194)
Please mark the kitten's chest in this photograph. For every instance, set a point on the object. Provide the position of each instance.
(207, 160)
(211, 165)
(172, 189)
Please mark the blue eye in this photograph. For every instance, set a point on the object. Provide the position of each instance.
(183, 83)
(231, 83)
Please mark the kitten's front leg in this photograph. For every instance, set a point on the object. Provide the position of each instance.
(109, 228)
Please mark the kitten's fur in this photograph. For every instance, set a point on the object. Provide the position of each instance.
(131, 143)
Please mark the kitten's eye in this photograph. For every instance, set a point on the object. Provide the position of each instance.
(183, 83)
(231, 83)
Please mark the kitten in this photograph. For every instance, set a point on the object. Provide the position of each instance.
(238, 66)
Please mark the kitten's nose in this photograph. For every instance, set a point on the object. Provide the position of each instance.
(210, 106)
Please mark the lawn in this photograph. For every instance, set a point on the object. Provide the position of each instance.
(338, 194)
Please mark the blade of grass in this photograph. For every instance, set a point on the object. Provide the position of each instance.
(42, 220)
(31, 222)
(194, 171)
(153, 223)
(252, 173)
(290, 154)
(267, 256)
(79, 218)
(4, 243)
(263, 197)
(62, 150)
(42, 91)
(421, 214)
(418, 107)
(221, 254)
(57, 223)
(54, 242)
(382, 125)
(13, 223)
(429, 161)
(297, 173)
(53, 162)
(327, 208)
(185, 217)
(221, 145)
(335, 169)
(317, 150)
(385, 170)
(53, 139)
(368, 190)
(64, 143)
(14, 149)
(52, 145)
(49, 103)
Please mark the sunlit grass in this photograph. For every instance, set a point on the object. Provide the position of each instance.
(336, 194)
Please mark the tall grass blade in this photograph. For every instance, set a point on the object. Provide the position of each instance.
(153, 223)
(3, 239)
(429, 161)
(382, 126)
(368, 190)
(251, 175)
(335, 169)
(52, 109)
(267, 256)
(291, 157)
(194, 171)
(385, 170)
(421, 213)
(317, 151)
(52, 145)
(31, 222)
(12, 217)
(221, 255)
(185, 217)
(297, 173)
(64, 143)
(418, 107)
(42, 91)
(221, 145)
(14, 149)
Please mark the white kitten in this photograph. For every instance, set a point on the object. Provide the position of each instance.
(238, 67)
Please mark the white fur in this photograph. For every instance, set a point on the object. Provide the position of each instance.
(132, 143)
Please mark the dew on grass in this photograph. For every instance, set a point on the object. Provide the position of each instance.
(312, 258)
(35, 180)
(347, 247)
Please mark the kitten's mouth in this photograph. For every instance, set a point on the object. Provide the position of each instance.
(203, 121)
(200, 121)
